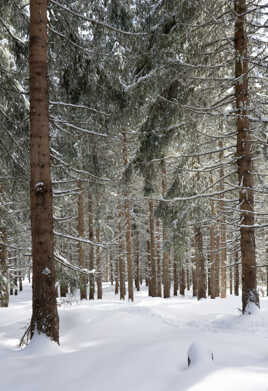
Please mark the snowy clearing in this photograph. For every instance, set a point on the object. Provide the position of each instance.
(113, 345)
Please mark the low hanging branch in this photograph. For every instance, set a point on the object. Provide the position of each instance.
(77, 239)
(64, 262)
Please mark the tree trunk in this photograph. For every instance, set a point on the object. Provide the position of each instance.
(137, 274)
(236, 275)
(166, 278)
(121, 257)
(223, 257)
(244, 162)
(128, 232)
(158, 251)
(4, 293)
(91, 248)
(44, 316)
(200, 265)
(81, 232)
(152, 276)
(182, 278)
(98, 262)
(217, 263)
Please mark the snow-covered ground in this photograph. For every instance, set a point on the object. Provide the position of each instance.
(113, 345)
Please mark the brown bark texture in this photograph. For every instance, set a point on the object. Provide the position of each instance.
(44, 316)
(223, 253)
(4, 291)
(152, 276)
(200, 265)
(166, 277)
(91, 249)
(244, 161)
(81, 231)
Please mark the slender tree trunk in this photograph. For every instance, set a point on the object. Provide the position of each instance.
(91, 248)
(200, 265)
(81, 231)
(166, 278)
(212, 243)
(121, 258)
(158, 252)
(4, 293)
(98, 262)
(175, 276)
(231, 277)
(137, 275)
(44, 316)
(236, 275)
(223, 253)
(182, 278)
(152, 248)
(217, 263)
(128, 232)
(244, 161)
(187, 276)
(148, 267)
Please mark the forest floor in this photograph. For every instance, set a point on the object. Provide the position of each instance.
(115, 345)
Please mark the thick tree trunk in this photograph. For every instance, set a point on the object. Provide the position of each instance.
(45, 316)
(91, 249)
(81, 232)
(175, 275)
(4, 292)
(244, 161)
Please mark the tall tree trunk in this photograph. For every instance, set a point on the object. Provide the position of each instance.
(128, 231)
(120, 255)
(166, 278)
(158, 256)
(200, 265)
(137, 274)
(152, 276)
(182, 278)
(231, 276)
(4, 293)
(223, 257)
(81, 231)
(217, 263)
(91, 248)
(175, 275)
(98, 262)
(212, 244)
(44, 316)
(244, 161)
(236, 275)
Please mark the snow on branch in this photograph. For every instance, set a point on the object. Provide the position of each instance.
(77, 239)
(96, 22)
(64, 262)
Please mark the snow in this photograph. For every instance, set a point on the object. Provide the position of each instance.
(117, 345)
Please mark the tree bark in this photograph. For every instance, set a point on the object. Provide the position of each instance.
(128, 231)
(236, 275)
(120, 256)
(4, 292)
(91, 249)
(200, 265)
(44, 316)
(166, 277)
(223, 252)
(152, 276)
(244, 162)
(81, 231)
